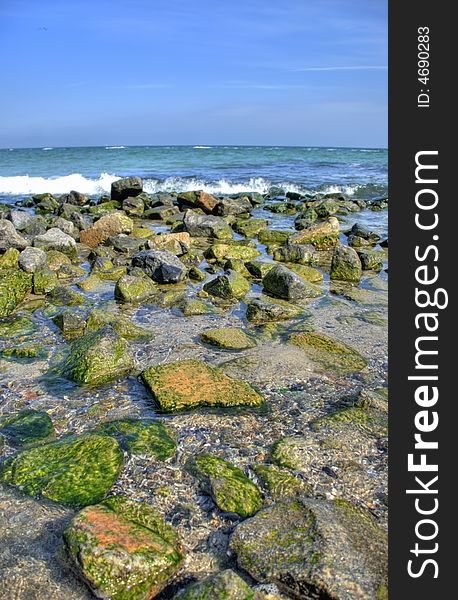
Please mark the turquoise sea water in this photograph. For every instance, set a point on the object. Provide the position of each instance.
(218, 169)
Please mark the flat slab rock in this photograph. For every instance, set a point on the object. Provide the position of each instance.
(192, 383)
(314, 548)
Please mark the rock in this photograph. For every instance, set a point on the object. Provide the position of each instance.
(250, 227)
(225, 251)
(229, 338)
(176, 243)
(361, 236)
(225, 585)
(65, 296)
(199, 199)
(126, 244)
(233, 206)
(10, 238)
(55, 239)
(66, 226)
(70, 323)
(236, 264)
(265, 310)
(104, 208)
(330, 549)
(133, 206)
(191, 307)
(125, 188)
(57, 259)
(305, 219)
(284, 283)
(19, 326)
(161, 213)
(196, 274)
(20, 219)
(328, 352)
(322, 235)
(346, 265)
(274, 236)
(229, 487)
(44, 281)
(32, 259)
(123, 549)
(143, 233)
(75, 471)
(123, 326)
(24, 352)
(229, 286)
(10, 259)
(206, 226)
(259, 268)
(27, 428)
(326, 208)
(98, 357)
(107, 226)
(162, 266)
(130, 288)
(188, 384)
(280, 483)
(149, 438)
(371, 260)
(75, 198)
(14, 287)
(303, 254)
(307, 273)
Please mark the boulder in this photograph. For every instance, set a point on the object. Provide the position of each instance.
(20, 219)
(228, 338)
(75, 198)
(162, 266)
(10, 238)
(133, 206)
(225, 585)
(189, 384)
(98, 357)
(233, 206)
(274, 236)
(250, 227)
(322, 235)
(265, 310)
(32, 259)
(346, 265)
(203, 200)
(231, 285)
(27, 428)
(109, 225)
(303, 254)
(371, 260)
(148, 438)
(125, 188)
(176, 243)
(314, 547)
(66, 226)
(222, 252)
(15, 284)
(75, 471)
(130, 288)
(55, 239)
(228, 485)
(123, 549)
(284, 283)
(206, 226)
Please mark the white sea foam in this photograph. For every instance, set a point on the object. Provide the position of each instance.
(24, 184)
(47, 148)
(114, 147)
(198, 147)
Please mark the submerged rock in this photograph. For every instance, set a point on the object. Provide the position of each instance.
(14, 287)
(70, 323)
(130, 288)
(27, 427)
(150, 438)
(265, 309)
(75, 471)
(231, 285)
(230, 488)
(192, 306)
(284, 283)
(314, 548)
(280, 483)
(229, 338)
(346, 265)
(122, 325)
(17, 327)
(162, 266)
(191, 383)
(123, 549)
(98, 357)
(225, 585)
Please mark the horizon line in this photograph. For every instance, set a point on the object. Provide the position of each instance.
(124, 146)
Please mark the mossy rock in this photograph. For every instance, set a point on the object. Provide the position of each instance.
(230, 488)
(97, 358)
(189, 384)
(130, 288)
(17, 327)
(280, 483)
(10, 259)
(315, 548)
(306, 272)
(266, 310)
(191, 307)
(113, 274)
(98, 318)
(225, 585)
(322, 235)
(15, 284)
(236, 264)
(150, 438)
(27, 427)
(26, 352)
(44, 281)
(123, 549)
(196, 274)
(90, 283)
(75, 471)
(288, 285)
(274, 236)
(57, 259)
(65, 296)
(99, 210)
(328, 352)
(222, 252)
(346, 265)
(230, 286)
(291, 452)
(229, 338)
(250, 227)
(359, 295)
(258, 268)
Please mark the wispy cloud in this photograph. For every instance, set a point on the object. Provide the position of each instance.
(342, 68)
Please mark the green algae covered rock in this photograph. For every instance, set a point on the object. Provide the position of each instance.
(314, 548)
(188, 384)
(230, 488)
(10, 259)
(229, 338)
(14, 287)
(75, 471)
(66, 296)
(27, 427)
(346, 265)
(98, 357)
(123, 549)
(306, 272)
(224, 251)
(265, 310)
(123, 326)
(258, 268)
(130, 288)
(151, 438)
(328, 352)
(288, 285)
(24, 352)
(191, 307)
(44, 281)
(17, 327)
(323, 235)
(250, 227)
(225, 585)
(274, 236)
(280, 483)
(229, 286)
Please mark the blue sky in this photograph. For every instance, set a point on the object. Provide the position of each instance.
(96, 72)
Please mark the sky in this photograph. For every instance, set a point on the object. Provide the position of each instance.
(165, 72)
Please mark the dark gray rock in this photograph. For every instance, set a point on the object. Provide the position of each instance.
(284, 283)
(10, 238)
(75, 198)
(206, 226)
(123, 188)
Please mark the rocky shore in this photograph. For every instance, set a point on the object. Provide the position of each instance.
(193, 396)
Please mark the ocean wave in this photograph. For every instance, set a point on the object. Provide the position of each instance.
(47, 148)
(114, 147)
(24, 184)
(199, 147)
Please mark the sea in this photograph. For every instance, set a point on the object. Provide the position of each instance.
(358, 172)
